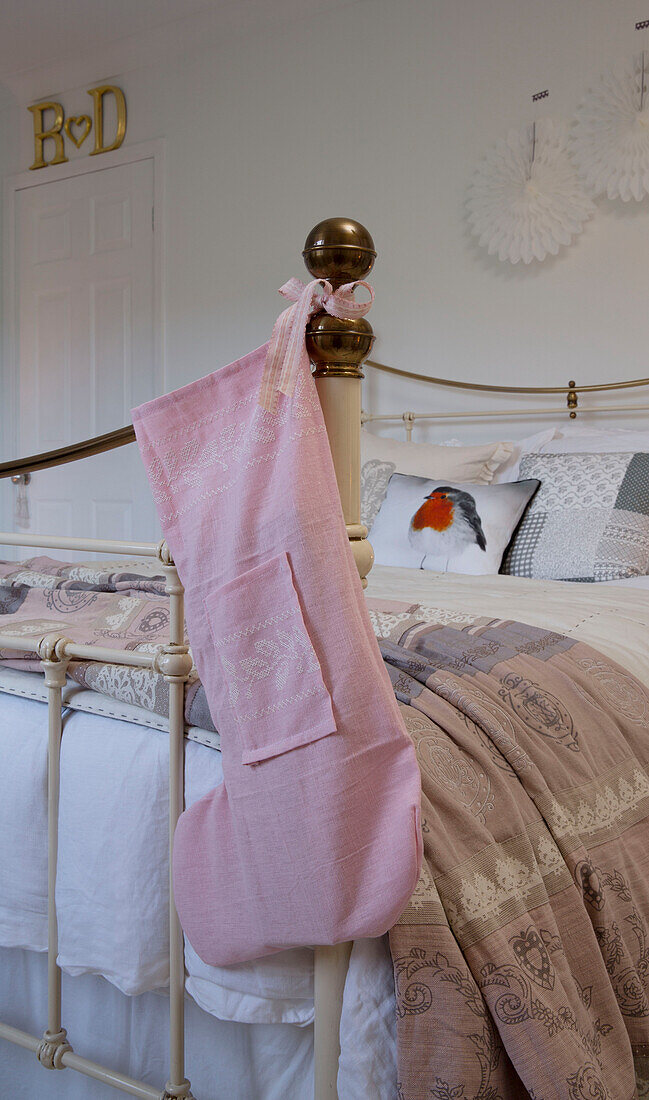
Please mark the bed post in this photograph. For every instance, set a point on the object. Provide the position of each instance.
(54, 664)
(175, 664)
(340, 250)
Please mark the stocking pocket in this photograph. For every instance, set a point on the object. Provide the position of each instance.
(273, 677)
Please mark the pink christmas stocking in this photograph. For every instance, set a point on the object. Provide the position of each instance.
(313, 836)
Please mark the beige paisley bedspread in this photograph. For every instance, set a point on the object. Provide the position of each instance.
(522, 961)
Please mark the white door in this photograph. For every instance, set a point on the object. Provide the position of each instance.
(85, 349)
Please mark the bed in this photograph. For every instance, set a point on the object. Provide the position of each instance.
(105, 746)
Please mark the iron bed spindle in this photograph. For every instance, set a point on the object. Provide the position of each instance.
(175, 664)
(54, 1043)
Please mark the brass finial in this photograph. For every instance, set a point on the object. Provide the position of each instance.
(342, 251)
(338, 346)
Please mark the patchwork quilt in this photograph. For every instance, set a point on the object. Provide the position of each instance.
(96, 604)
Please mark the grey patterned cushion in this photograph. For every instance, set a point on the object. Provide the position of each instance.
(589, 520)
(375, 476)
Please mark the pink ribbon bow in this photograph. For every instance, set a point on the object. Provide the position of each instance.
(287, 351)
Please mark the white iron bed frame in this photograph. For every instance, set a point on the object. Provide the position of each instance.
(173, 661)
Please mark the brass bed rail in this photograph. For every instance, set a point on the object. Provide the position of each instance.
(121, 437)
(572, 386)
(571, 392)
(84, 449)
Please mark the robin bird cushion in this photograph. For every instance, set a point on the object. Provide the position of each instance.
(446, 526)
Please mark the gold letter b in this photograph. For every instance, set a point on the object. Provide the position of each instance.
(40, 134)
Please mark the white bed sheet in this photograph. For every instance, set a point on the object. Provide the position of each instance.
(223, 1059)
(130, 1034)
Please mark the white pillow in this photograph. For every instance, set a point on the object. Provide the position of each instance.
(426, 523)
(587, 439)
(532, 444)
(381, 457)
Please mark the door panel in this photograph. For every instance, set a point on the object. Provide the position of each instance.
(85, 349)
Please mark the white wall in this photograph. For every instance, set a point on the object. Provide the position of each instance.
(380, 110)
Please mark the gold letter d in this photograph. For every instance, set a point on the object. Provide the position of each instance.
(120, 103)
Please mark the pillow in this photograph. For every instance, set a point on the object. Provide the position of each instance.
(510, 469)
(573, 439)
(428, 523)
(381, 457)
(588, 522)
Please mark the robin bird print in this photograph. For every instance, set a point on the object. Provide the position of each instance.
(445, 524)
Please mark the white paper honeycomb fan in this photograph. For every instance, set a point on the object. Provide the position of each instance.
(610, 139)
(526, 199)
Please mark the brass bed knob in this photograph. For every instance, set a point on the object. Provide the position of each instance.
(340, 250)
(338, 346)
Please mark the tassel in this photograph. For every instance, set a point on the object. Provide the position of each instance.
(22, 517)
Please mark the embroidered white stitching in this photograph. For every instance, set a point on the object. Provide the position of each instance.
(273, 707)
(165, 495)
(301, 406)
(288, 652)
(194, 457)
(186, 428)
(247, 630)
(610, 807)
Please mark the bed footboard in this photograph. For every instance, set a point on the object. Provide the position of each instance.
(54, 1049)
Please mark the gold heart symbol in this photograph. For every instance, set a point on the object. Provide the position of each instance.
(82, 121)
